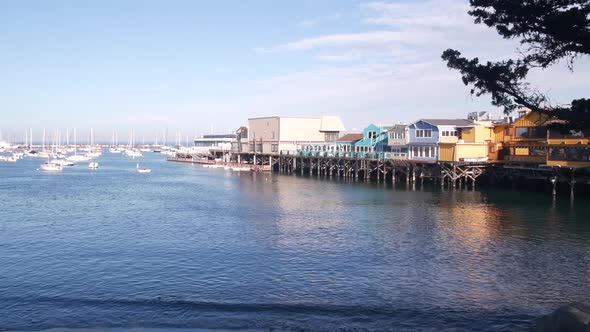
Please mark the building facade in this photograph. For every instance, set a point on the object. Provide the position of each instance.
(374, 142)
(274, 135)
(398, 142)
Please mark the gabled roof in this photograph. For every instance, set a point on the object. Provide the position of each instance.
(448, 122)
(352, 137)
(382, 127)
(398, 126)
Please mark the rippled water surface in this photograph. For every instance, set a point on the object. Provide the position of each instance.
(188, 247)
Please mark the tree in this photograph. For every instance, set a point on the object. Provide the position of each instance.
(548, 31)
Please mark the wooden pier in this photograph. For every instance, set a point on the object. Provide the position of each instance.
(451, 175)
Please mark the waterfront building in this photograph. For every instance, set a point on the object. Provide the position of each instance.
(398, 142)
(287, 135)
(240, 142)
(317, 149)
(216, 146)
(345, 145)
(425, 136)
(524, 140)
(374, 142)
(474, 141)
(222, 141)
(568, 149)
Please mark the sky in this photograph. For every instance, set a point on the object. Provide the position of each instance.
(205, 66)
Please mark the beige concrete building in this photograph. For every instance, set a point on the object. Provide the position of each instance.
(276, 134)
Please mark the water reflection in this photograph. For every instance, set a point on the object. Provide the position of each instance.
(188, 246)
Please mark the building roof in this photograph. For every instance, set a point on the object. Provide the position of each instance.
(398, 126)
(352, 137)
(219, 136)
(448, 122)
(331, 123)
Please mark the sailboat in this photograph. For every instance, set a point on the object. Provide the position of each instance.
(94, 151)
(114, 144)
(93, 165)
(142, 170)
(51, 166)
(77, 157)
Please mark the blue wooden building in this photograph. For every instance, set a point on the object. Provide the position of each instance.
(425, 135)
(374, 142)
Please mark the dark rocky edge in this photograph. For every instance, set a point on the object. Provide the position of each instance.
(573, 317)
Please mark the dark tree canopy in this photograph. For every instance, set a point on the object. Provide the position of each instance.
(548, 31)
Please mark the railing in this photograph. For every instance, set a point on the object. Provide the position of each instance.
(396, 155)
(340, 154)
(526, 159)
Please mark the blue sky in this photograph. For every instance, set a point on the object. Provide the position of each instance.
(189, 66)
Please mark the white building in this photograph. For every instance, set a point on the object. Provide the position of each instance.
(274, 135)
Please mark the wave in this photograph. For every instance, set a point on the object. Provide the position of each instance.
(186, 313)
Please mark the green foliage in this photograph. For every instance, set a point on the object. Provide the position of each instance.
(549, 30)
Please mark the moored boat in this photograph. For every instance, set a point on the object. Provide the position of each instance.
(143, 169)
(51, 167)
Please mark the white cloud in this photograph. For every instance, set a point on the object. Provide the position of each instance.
(374, 39)
(429, 14)
(409, 31)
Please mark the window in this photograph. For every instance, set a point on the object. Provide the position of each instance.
(251, 148)
(330, 137)
(397, 135)
(259, 147)
(522, 132)
(571, 134)
(274, 147)
(372, 135)
(449, 133)
(423, 133)
(570, 153)
(531, 132)
(272, 134)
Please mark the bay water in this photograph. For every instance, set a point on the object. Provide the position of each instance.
(188, 247)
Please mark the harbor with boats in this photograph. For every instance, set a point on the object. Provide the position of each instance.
(520, 151)
(191, 246)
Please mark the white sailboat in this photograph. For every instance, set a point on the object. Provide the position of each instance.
(51, 166)
(76, 158)
(114, 144)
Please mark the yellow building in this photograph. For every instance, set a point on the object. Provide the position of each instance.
(529, 141)
(473, 145)
(568, 149)
(525, 140)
